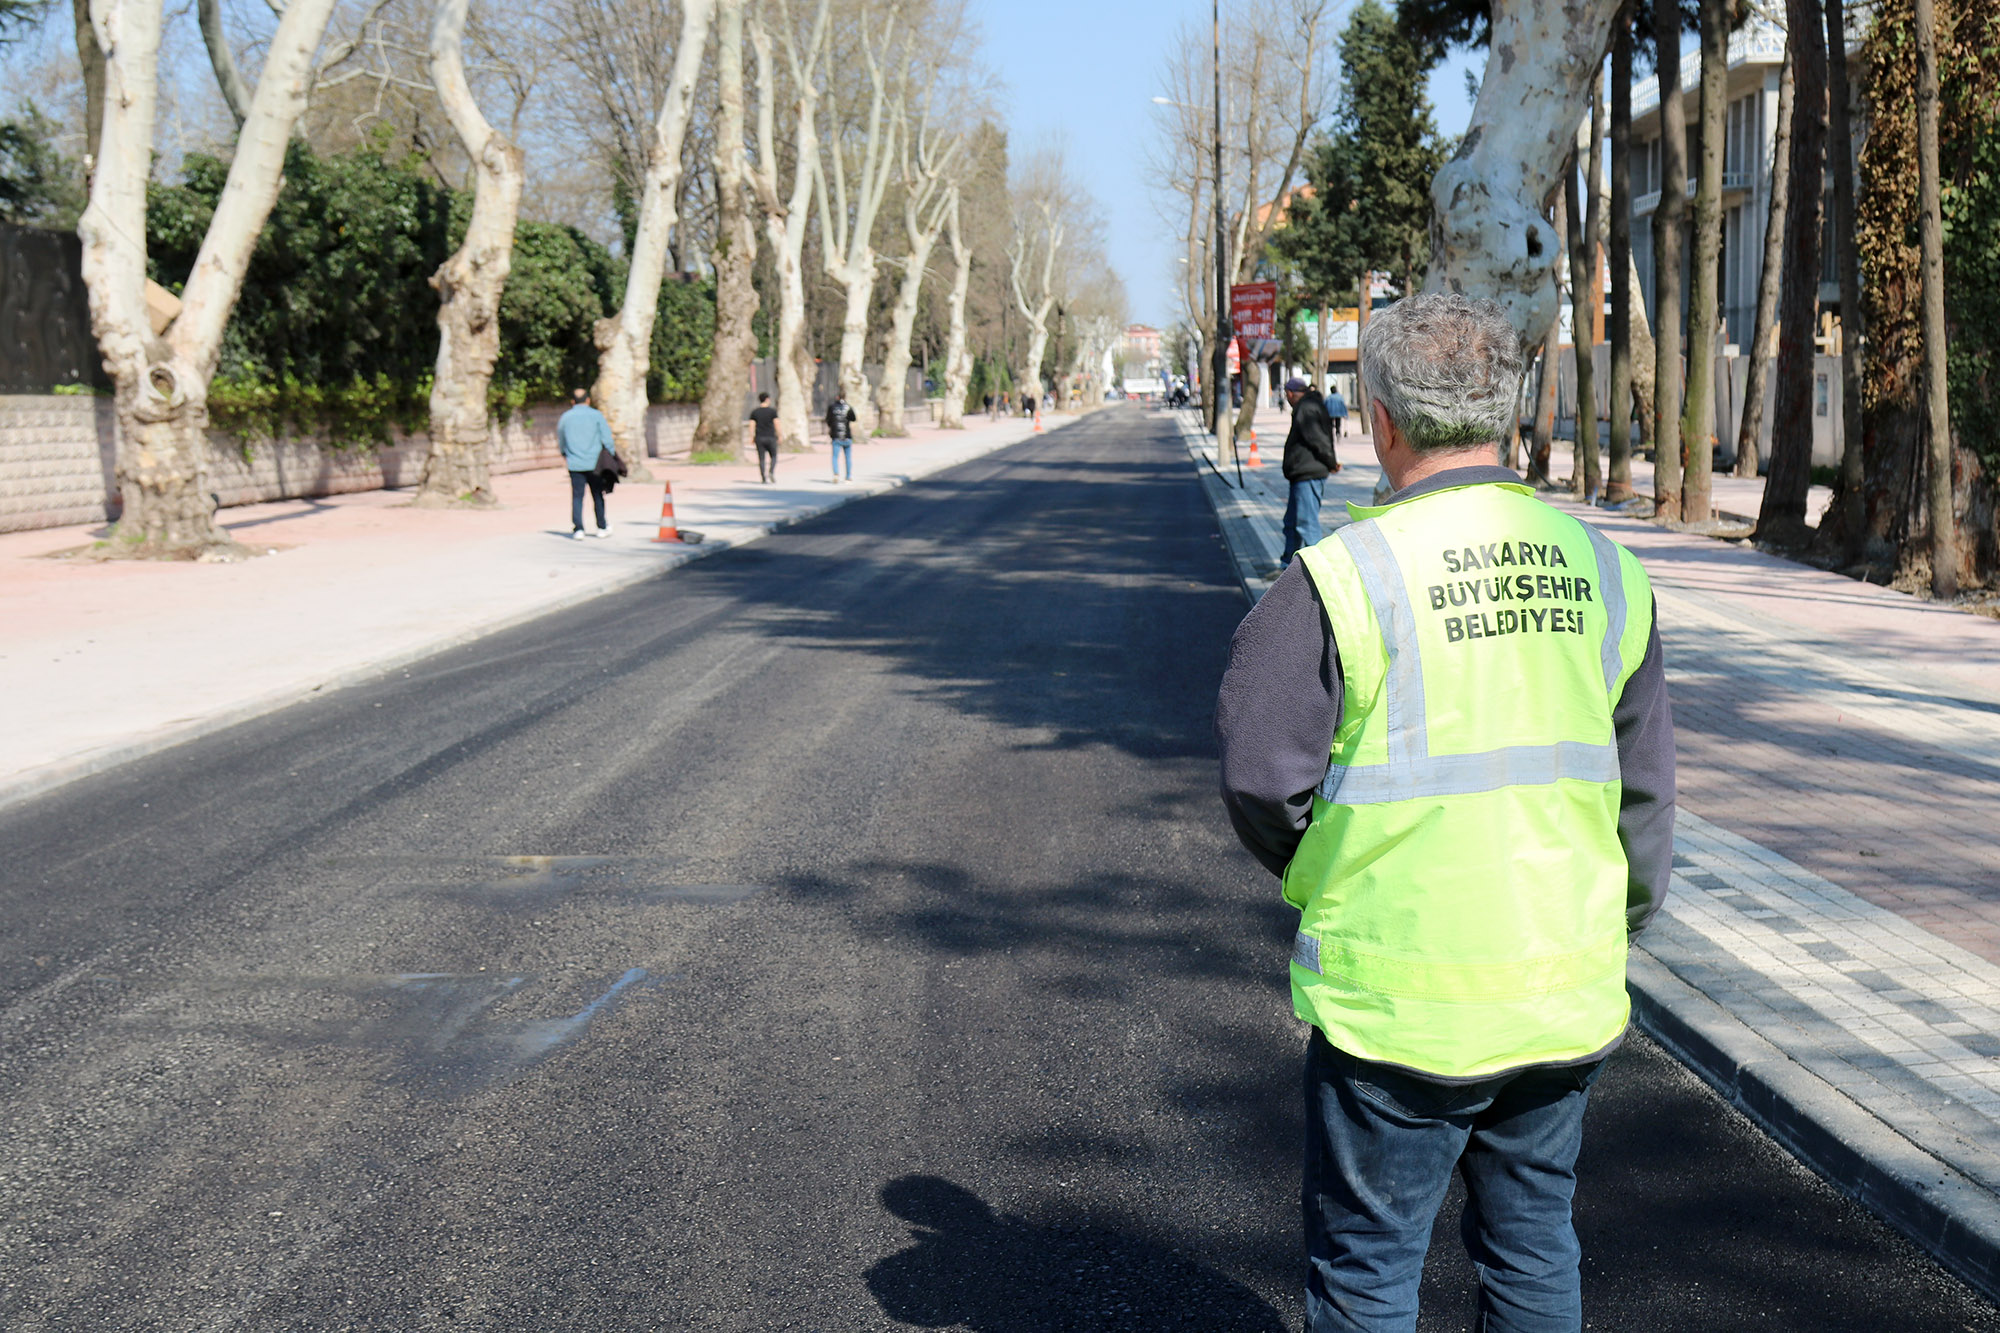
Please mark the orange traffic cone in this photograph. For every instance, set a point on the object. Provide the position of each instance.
(1038, 423)
(1252, 460)
(668, 532)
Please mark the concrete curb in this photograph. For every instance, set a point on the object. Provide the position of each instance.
(38, 781)
(1953, 1218)
(1233, 513)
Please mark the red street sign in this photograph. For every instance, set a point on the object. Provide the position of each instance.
(1253, 309)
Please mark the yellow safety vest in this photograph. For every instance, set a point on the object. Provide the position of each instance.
(1461, 886)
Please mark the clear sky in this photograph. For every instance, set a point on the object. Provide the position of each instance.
(1088, 70)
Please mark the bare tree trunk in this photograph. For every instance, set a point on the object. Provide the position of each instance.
(1584, 285)
(1488, 232)
(957, 359)
(785, 218)
(1852, 515)
(1757, 384)
(719, 429)
(1668, 242)
(1645, 358)
(457, 470)
(222, 60)
(1930, 236)
(90, 57)
(1698, 413)
(847, 227)
(625, 338)
(1547, 388)
(161, 382)
(1320, 379)
(925, 198)
(1782, 517)
(1618, 479)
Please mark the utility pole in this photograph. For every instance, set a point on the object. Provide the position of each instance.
(1219, 355)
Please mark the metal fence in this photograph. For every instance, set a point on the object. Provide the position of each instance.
(45, 339)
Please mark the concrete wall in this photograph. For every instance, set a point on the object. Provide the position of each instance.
(57, 455)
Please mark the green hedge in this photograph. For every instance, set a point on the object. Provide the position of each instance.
(336, 328)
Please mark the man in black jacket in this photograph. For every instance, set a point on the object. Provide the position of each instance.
(1309, 460)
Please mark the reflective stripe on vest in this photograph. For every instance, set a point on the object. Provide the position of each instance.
(1461, 885)
(1412, 772)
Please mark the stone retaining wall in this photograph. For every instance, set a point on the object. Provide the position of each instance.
(57, 455)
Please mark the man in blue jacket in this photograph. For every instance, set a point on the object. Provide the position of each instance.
(583, 431)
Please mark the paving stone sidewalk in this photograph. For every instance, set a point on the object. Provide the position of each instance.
(1829, 956)
(101, 663)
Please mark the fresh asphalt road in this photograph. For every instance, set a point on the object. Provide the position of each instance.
(840, 933)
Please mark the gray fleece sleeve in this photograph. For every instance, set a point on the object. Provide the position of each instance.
(1275, 717)
(1644, 723)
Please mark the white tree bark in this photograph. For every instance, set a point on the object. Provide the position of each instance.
(925, 160)
(720, 428)
(625, 339)
(1032, 256)
(786, 217)
(1488, 235)
(458, 469)
(847, 222)
(957, 357)
(161, 383)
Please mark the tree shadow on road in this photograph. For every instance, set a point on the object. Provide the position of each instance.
(989, 1272)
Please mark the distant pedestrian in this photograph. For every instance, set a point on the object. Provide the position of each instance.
(1309, 460)
(1336, 408)
(764, 418)
(989, 407)
(584, 434)
(840, 421)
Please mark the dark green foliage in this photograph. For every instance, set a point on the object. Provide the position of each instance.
(562, 283)
(683, 341)
(336, 328)
(39, 187)
(990, 374)
(1371, 178)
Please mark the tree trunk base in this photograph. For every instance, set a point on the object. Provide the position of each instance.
(1785, 532)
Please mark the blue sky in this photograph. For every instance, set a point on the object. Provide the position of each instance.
(1088, 70)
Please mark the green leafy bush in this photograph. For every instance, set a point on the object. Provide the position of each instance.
(336, 328)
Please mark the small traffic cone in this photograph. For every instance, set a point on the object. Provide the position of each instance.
(668, 532)
(1252, 460)
(1038, 423)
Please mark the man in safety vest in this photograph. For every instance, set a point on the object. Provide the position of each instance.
(1446, 726)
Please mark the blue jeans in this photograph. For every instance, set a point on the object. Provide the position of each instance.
(1302, 517)
(843, 449)
(1380, 1149)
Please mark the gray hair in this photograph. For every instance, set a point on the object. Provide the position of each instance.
(1446, 368)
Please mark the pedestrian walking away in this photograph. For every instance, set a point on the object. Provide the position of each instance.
(1446, 728)
(840, 420)
(583, 434)
(1336, 409)
(989, 407)
(1308, 460)
(764, 434)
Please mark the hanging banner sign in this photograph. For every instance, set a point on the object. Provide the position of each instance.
(1253, 310)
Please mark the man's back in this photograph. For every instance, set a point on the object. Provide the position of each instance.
(581, 432)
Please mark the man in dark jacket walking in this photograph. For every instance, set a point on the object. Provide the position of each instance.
(1309, 460)
(840, 420)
